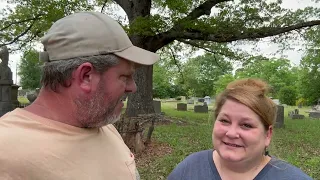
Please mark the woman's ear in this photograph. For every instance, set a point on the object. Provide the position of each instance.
(269, 135)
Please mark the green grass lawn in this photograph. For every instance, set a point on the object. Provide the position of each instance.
(23, 100)
(297, 143)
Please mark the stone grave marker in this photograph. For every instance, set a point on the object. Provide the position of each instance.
(295, 114)
(157, 106)
(207, 99)
(14, 95)
(201, 108)
(190, 101)
(182, 107)
(280, 117)
(6, 82)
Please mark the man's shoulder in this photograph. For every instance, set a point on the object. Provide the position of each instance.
(113, 130)
(282, 169)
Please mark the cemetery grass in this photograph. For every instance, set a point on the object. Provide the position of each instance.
(190, 132)
(23, 100)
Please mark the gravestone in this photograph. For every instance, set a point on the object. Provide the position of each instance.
(295, 114)
(22, 92)
(201, 100)
(190, 101)
(280, 117)
(315, 111)
(182, 107)
(5, 82)
(32, 96)
(314, 114)
(201, 108)
(207, 99)
(157, 106)
(14, 95)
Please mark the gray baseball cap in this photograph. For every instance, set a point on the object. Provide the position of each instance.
(88, 34)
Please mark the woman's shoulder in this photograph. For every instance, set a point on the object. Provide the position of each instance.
(194, 166)
(199, 155)
(282, 169)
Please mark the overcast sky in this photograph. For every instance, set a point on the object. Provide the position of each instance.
(266, 48)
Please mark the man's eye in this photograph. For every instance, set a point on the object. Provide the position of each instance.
(124, 78)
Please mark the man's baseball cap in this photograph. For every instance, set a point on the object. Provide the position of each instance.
(88, 34)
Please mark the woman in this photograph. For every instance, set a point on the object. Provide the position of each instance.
(241, 135)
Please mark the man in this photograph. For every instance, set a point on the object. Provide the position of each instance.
(67, 133)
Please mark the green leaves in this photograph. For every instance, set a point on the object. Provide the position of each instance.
(277, 72)
(29, 70)
(288, 95)
(201, 73)
(148, 26)
(27, 21)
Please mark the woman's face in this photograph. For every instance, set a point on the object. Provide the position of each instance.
(238, 133)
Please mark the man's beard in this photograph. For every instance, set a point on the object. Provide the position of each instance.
(94, 112)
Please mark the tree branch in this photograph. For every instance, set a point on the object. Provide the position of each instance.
(37, 17)
(104, 5)
(201, 47)
(169, 36)
(20, 35)
(258, 33)
(203, 9)
(126, 6)
(206, 49)
(176, 62)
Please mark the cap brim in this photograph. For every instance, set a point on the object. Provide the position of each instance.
(138, 55)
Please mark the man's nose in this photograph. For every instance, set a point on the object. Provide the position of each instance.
(131, 87)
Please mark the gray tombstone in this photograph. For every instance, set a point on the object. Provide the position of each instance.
(201, 109)
(297, 116)
(315, 111)
(14, 95)
(182, 107)
(280, 117)
(157, 106)
(314, 114)
(5, 82)
(207, 99)
(190, 101)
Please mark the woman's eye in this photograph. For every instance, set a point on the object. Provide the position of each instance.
(248, 126)
(223, 121)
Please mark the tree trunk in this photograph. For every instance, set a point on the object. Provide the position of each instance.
(139, 103)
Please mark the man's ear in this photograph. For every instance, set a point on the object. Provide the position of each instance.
(85, 77)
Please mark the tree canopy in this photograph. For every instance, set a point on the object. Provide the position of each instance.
(29, 70)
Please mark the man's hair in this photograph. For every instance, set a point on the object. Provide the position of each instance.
(59, 72)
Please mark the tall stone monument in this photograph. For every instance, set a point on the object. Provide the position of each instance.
(5, 82)
(280, 117)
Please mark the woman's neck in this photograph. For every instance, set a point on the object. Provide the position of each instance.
(239, 170)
